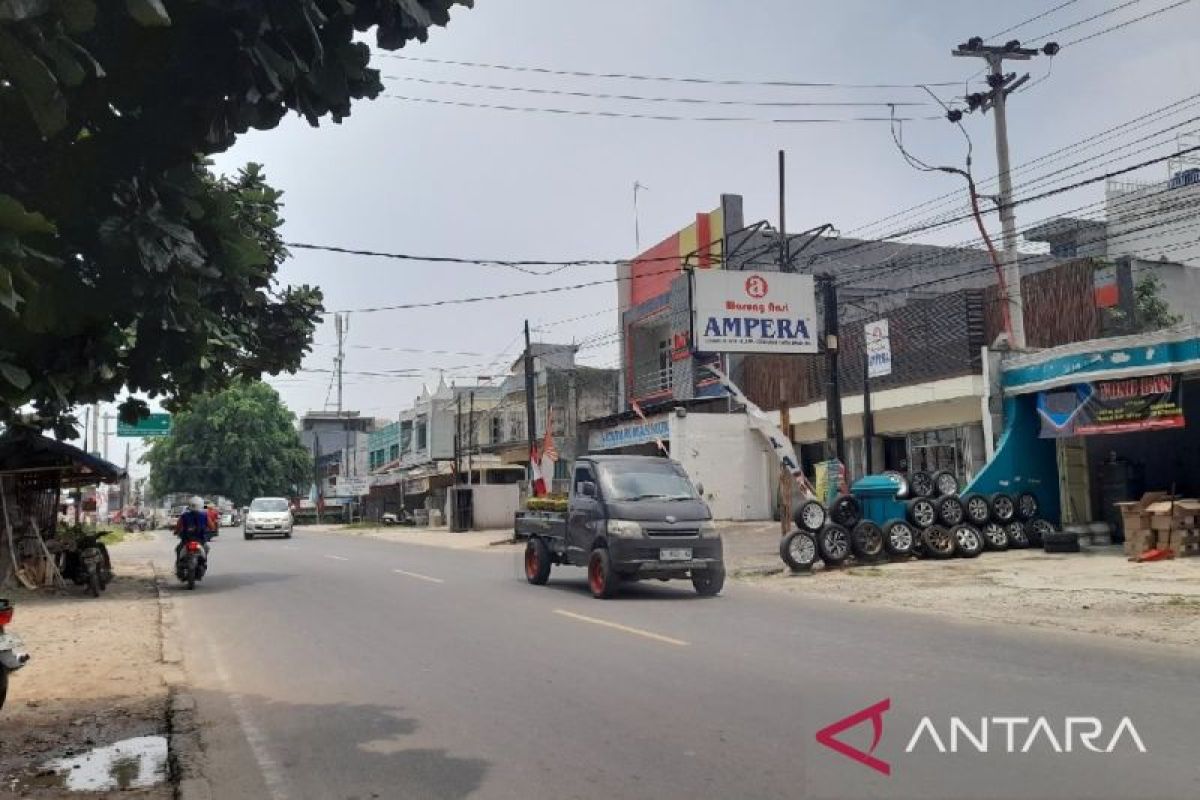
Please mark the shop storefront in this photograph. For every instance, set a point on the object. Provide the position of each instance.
(1104, 421)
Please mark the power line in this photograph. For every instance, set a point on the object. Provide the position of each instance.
(1085, 20)
(652, 99)
(500, 262)
(1023, 23)
(1018, 201)
(1126, 24)
(573, 112)
(1072, 167)
(943, 258)
(665, 78)
(1052, 156)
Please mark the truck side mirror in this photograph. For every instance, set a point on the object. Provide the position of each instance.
(587, 489)
(700, 489)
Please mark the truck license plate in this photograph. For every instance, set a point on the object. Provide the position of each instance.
(675, 554)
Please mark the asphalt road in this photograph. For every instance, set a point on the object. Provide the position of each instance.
(343, 667)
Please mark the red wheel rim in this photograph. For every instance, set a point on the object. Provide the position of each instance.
(596, 575)
(531, 562)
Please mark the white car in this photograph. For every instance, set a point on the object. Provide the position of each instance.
(268, 515)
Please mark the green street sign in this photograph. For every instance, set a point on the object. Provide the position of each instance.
(153, 425)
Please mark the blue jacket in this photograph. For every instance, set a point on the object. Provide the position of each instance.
(193, 525)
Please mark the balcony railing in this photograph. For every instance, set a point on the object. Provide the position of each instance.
(649, 381)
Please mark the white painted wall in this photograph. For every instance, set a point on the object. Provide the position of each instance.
(731, 460)
(495, 505)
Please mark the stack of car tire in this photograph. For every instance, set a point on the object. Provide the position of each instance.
(938, 524)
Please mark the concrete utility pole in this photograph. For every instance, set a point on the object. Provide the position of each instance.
(340, 327)
(996, 99)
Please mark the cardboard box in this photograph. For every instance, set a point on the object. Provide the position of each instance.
(1162, 523)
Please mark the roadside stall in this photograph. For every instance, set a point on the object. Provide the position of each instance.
(34, 472)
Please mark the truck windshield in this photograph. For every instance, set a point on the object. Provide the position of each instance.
(645, 482)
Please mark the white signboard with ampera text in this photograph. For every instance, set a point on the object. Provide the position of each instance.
(879, 349)
(753, 312)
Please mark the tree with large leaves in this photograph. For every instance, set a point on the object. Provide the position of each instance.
(240, 442)
(124, 263)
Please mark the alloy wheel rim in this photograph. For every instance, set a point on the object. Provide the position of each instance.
(837, 545)
(948, 485)
(924, 513)
(953, 513)
(941, 542)
(812, 515)
(596, 576)
(977, 508)
(901, 537)
(967, 538)
(803, 549)
(1004, 507)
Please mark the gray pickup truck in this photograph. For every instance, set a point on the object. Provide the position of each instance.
(628, 518)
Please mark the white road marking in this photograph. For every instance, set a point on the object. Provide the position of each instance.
(658, 637)
(418, 576)
(338, 558)
(267, 765)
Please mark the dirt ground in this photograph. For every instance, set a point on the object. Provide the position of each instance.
(95, 678)
(1097, 591)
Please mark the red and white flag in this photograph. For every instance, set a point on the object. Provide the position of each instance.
(549, 451)
(537, 482)
(642, 416)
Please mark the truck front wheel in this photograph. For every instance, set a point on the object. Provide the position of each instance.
(537, 562)
(602, 580)
(709, 582)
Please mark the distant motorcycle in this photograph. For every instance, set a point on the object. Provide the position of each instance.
(12, 650)
(190, 563)
(135, 524)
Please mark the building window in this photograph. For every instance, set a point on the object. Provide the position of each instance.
(395, 452)
(497, 430)
(422, 438)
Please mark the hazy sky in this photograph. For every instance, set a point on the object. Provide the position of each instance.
(444, 180)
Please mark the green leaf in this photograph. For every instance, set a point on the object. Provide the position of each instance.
(14, 217)
(77, 15)
(150, 13)
(22, 9)
(69, 71)
(37, 84)
(8, 294)
(14, 375)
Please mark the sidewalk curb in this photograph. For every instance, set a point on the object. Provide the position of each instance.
(184, 746)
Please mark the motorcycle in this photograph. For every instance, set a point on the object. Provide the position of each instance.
(87, 564)
(12, 650)
(135, 525)
(191, 563)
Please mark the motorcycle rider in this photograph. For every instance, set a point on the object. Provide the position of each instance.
(193, 525)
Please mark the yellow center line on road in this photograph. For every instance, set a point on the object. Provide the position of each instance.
(418, 576)
(658, 637)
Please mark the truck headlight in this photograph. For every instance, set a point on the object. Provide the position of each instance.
(708, 528)
(624, 527)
